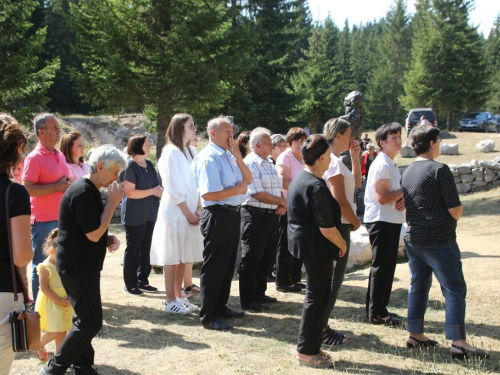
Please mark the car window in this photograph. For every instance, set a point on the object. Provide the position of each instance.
(476, 115)
(429, 116)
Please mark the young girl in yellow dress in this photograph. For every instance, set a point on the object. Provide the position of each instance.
(52, 302)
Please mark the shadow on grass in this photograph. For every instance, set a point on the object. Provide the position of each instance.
(110, 370)
(481, 206)
(470, 254)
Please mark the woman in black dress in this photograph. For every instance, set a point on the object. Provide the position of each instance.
(313, 219)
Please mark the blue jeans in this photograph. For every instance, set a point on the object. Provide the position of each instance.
(39, 233)
(445, 262)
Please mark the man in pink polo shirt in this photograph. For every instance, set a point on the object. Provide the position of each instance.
(46, 176)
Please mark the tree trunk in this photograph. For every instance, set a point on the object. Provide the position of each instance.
(163, 120)
(449, 116)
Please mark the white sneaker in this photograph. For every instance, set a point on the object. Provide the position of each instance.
(188, 305)
(176, 307)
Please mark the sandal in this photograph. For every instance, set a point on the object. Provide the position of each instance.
(335, 333)
(185, 294)
(389, 321)
(467, 353)
(317, 361)
(393, 315)
(193, 288)
(325, 354)
(420, 343)
(42, 354)
(330, 338)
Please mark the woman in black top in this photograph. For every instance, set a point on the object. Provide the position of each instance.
(12, 143)
(432, 210)
(139, 212)
(313, 219)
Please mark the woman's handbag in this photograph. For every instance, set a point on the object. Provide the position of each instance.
(25, 325)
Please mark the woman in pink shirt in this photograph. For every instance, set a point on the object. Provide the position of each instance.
(288, 164)
(72, 147)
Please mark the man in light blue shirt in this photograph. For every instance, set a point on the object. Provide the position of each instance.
(259, 222)
(222, 179)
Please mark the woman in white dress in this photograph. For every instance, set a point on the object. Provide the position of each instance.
(177, 239)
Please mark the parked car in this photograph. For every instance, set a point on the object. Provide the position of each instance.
(478, 121)
(414, 118)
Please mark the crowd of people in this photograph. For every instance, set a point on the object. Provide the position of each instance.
(283, 209)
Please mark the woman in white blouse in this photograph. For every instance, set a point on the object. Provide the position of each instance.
(72, 147)
(384, 214)
(342, 183)
(177, 239)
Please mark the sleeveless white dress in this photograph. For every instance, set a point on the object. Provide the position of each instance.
(174, 239)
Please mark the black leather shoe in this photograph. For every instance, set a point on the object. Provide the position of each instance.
(301, 285)
(255, 306)
(286, 289)
(228, 313)
(267, 299)
(218, 325)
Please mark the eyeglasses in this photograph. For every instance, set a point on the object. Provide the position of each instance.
(193, 127)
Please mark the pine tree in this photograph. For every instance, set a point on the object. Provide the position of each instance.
(23, 83)
(181, 56)
(447, 70)
(64, 96)
(316, 82)
(343, 61)
(492, 57)
(281, 29)
(385, 85)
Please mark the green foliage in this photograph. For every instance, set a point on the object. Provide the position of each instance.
(181, 56)
(279, 30)
(316, 82)
(23, 83)
(447, 70)
(385, 85)
(492, 57)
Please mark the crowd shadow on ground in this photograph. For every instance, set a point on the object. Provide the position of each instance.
(481, 206)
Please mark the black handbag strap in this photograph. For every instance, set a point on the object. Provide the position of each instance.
(13, 268)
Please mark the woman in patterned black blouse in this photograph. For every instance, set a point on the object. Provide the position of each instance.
(432, 210)
(139, 211)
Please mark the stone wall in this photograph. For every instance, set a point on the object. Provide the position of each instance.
(116, 219)
(476, 174)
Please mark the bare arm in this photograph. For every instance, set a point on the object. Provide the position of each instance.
(456, 212)
(383, 193)
(20, 229)
(356, 163)
(265, 197)
(132, 193)
(284, 171)
(239, 188)
(36, 190)
(245, 172)
(337, 187)
(333, 235)
(114, 196)
(190, 216)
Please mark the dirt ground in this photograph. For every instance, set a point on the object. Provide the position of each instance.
(138, 338)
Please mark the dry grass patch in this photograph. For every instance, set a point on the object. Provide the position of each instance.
(139, 338)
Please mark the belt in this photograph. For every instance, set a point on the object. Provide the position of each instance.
(232, 208)
(258, 209)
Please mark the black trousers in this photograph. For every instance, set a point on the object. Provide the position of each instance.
(339, 267)
(259, 239)
(318, 275)
(221, 231)
(136, 264)
(384, 238)
(84, 293)
(288, 268)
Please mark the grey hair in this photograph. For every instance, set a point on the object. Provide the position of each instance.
(277, 138)
(216, 122)
(109, 155)
(333, 127)
(257, 134)
(40, 120)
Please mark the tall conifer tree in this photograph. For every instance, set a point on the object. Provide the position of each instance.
(23, 83)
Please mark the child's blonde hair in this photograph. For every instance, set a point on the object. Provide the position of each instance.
(51, 242)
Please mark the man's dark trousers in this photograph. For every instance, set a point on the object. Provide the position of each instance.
(220, 227)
